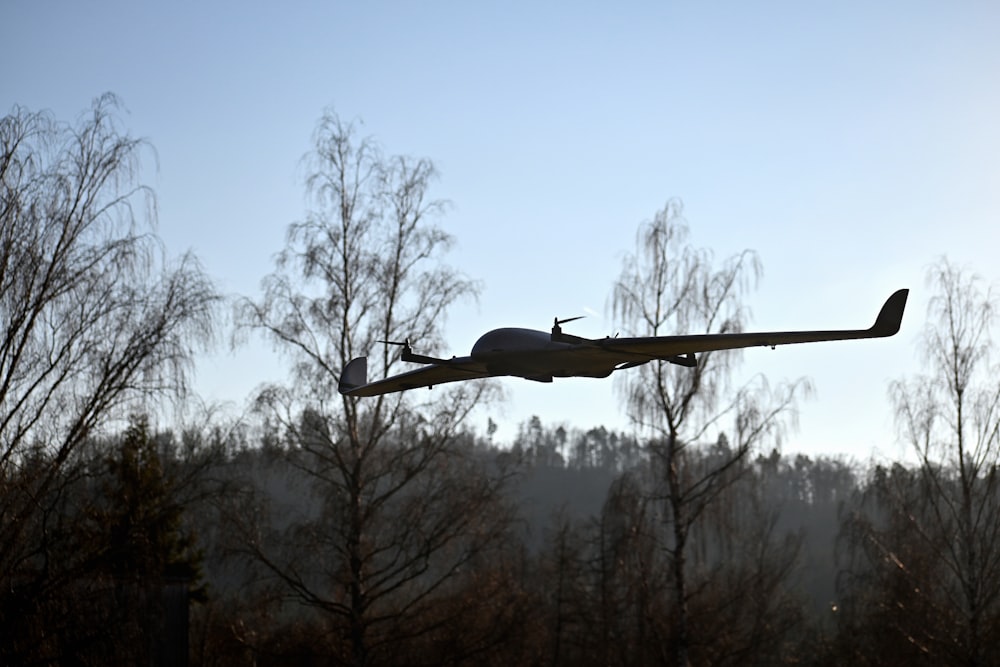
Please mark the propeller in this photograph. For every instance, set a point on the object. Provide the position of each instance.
(405, 344)
(408, 355)
(557, 330)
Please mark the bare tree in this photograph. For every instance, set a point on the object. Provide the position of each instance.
(669, 287)
(92, 317)
(406, 506)
(738, 545)
(888, 607)
(629, 579)
(950, 416)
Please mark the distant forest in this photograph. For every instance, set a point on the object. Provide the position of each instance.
(798, 560)
(320, 529)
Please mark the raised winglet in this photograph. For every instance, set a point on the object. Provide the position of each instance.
(891, 316)
(354, 375)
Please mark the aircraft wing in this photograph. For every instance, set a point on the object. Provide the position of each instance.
(354, 379)
(636, 350)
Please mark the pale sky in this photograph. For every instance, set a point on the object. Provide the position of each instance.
(849, 143)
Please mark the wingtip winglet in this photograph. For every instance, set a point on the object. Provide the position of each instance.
(891, 316)
(354, 375)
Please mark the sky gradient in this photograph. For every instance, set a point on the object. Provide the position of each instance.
(849, 144)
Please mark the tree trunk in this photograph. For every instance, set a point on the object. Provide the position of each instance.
(677, 507)
(359, 648)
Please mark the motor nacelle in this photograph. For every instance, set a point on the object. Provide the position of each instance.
(687, 360)
(557, 332)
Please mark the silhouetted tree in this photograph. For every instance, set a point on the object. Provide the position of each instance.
(563, 587)
(739, 544)
(632, 617)
(931, 537)
(133, 536)
(809, 496)
(405, 506)
(94, 321)
(139, 516)
(885, 611)
(669, 287)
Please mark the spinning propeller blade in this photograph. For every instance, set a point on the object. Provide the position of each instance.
(557, 330)
(405, 343)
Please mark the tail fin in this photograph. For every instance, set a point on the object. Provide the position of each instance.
(354, 375)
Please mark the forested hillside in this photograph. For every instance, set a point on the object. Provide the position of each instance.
(800, 560)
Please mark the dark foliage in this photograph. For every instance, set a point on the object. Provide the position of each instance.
(573, 584)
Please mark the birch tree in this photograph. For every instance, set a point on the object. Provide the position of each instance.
(668, 287)
(405, 505)
(95, 321)
(942, 538)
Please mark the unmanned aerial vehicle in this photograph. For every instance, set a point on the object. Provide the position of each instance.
(544, 355)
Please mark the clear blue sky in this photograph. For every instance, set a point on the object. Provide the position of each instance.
(848, 143)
